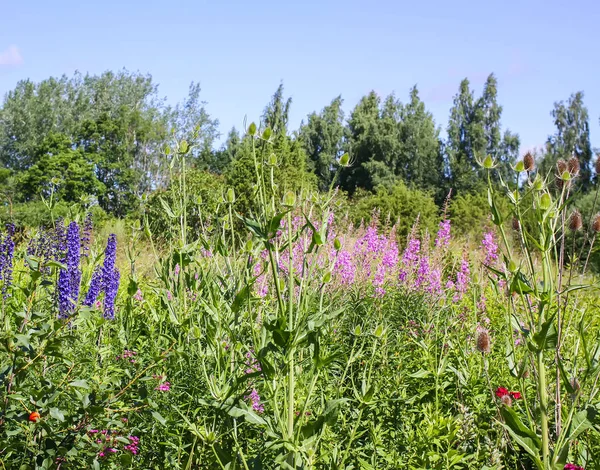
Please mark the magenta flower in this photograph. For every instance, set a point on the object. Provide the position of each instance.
(490, 248)
(164, 387)
(443, 236)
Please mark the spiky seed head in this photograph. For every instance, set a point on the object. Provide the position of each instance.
(598, 164)
(573, 166)
(483, 341)
(516, 224)
(575, 221)
(561, 166)
(529, 162)
(506, 400)
(596, 223)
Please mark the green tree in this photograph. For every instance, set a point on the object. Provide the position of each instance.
(322, 138)
(572, 137)
(61, 170)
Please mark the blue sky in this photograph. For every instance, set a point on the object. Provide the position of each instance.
(541, 51)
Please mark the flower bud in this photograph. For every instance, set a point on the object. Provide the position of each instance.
(327, 277)
(272, 161)
(184, 147)
(519, 167)
(528, 162)
(289, 199)
(575, 221)
(545, 201)
(345, 160)
(488, 162)
(230, 196)
(266, 133)
(512, 266)
(337, 244)
(252, 129)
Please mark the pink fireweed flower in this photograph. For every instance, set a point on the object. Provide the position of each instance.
(176, 270)
(169, 296)
(443, 236)
(435, 281)
(345, 268)
(422, 272)
(252, 365)
(490, 248)
(410, 258)
(462, 280)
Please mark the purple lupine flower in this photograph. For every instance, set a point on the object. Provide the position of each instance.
(73, 259)
(490, 248)
(110, 294)
(7, 250)
(443, 236)
(110, 257)
(95, 288)
(64, 300)
(87, 234)
(254, 399)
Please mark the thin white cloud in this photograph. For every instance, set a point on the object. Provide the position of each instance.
(11, 57)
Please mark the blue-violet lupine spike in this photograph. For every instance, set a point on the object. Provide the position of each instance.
(73, 259)
(64, 302)
(110, 295)
(95, 288)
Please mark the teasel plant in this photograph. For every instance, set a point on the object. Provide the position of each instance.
(558, 383)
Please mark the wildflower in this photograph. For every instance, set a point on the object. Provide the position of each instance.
(462, 280)
(95, 288)
(443, 235)
(490, 248)
(254, 399)
(483, 341)
(169, 296)
(345, 267)
(110, 295)
(133, 445)
(252, 365)
(34, 417)
(501, 391)
(163, 387)
(7, 248)
(110, 257)
(572, 466)
(410, 258)
(138, 296)
(515, 395)
(176, 270)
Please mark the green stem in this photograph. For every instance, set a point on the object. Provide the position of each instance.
(543, 409)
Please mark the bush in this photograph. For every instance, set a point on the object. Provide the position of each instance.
(400, 204)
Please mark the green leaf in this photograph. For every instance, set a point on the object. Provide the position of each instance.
(421, 373)
(57, 414)
(250, 415)
(79, 384)
(158, 417)
(524, 436)
(167, 208)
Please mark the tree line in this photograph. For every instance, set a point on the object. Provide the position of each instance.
(104, 139)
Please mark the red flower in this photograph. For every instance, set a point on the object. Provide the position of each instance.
(35, 416)
(501, 391)
(515, 395)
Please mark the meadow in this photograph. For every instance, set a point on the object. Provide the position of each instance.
(286, 336)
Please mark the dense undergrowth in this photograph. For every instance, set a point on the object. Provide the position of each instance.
(284, 338)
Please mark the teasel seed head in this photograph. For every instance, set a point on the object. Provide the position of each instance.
(596, 223)
(516, 224)
(506, 400)
(529, 161)
(483, 341)
(573, 166)
(575, 221)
